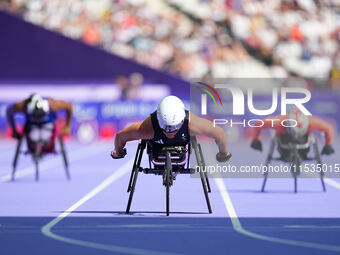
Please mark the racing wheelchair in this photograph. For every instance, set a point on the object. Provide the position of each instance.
(168, 161)
(296, 153)
(40, 149)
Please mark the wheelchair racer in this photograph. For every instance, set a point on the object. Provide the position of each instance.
(40, 115)
(171, 124)
(297, 134)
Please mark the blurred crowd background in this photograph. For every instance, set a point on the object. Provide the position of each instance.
(292, 42)
(204, 38)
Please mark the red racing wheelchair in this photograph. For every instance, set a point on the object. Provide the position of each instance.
(297, 154)
(39, 149)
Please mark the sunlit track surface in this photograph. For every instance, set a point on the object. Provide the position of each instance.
(98, 224)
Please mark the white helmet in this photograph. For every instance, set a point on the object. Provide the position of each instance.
(37, 107)
(170, 114)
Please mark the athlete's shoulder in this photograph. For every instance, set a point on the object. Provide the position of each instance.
(145, 128)
(19, 106)
(198, 124)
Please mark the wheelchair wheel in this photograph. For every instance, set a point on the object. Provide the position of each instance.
(268, 160)
(318, 161)
(204, 167)
(16, 156)
(296, 167)
(265, 177)
(132, 190)
(63, 152)
(133, 168)
(134, 174)
(200, 163)
(295, 183)
(168, 181)
(36, 156)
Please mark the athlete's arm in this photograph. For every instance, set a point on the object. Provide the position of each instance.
(136, 131)
(273, 122)
(205, 127)
(60, 105)
(11, 110)
(316, 123)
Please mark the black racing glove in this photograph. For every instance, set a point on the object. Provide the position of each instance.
(16, 135)
(256, 145)
(122, 154)
(327, 149)
(223, 156)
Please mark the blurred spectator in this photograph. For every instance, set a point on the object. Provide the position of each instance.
(299, 35)
(200, 38)
(334, 74)
(123, 83)
(161, 38)
(130, 86)
(136, 81)
(91, 36)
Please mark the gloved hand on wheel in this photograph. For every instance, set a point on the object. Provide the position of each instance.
(118, 154)
(223, 156)
(16, 135)
(256, 145)
(327, 149)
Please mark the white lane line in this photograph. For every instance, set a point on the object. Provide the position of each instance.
(238, 226)
(328, 181)
(312, 227)
(46, 230)
(332, 183)
(47, 164)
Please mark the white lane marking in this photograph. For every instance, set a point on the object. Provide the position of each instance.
(329, 181)
(47, 164)
(238, 226)
(312, 227)
(46, 230)
(332, 183)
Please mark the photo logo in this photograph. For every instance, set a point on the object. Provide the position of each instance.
(243, 104)
(239, 100)
(204, 97)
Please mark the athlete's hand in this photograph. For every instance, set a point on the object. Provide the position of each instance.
(327, 149)
(223, 156)
(118, 154)
(65, 131)
(16, 135)
(256, 145)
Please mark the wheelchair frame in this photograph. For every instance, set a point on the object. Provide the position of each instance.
(168, 171)
(37, 154)
(296, 161)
